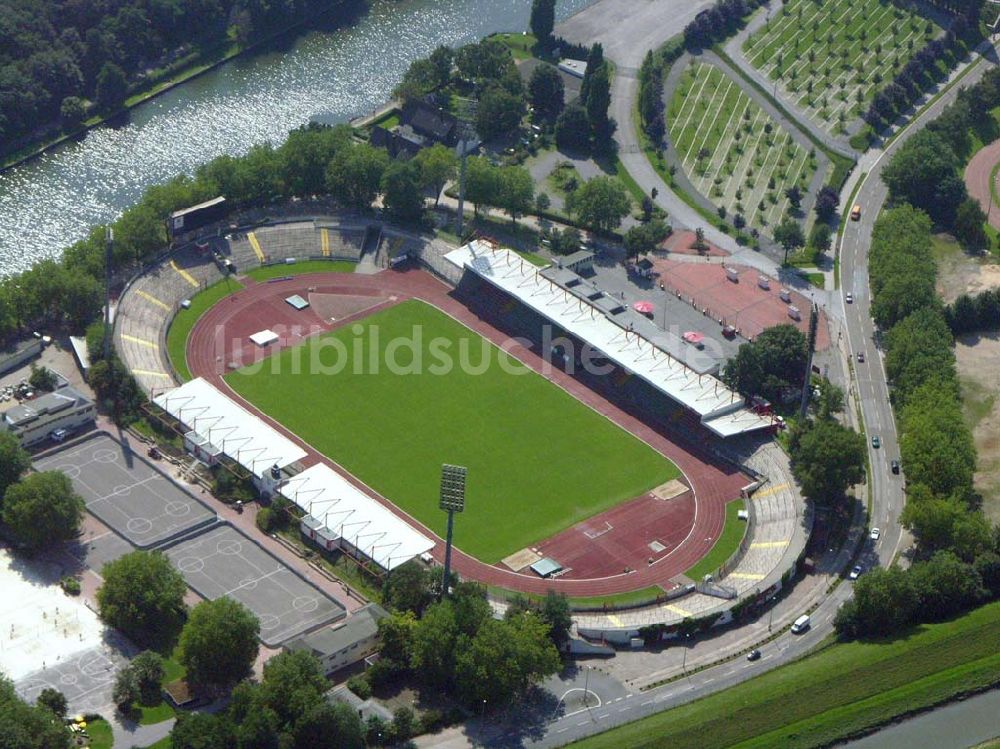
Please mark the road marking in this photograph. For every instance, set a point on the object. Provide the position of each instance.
(647, 702)
(150, 298)
(324, 235)
(768, 544)
(624, 709)
(602, 717)
(184, 274)
(140, 341)
(769, 492)
(560, 730)
(256, 246)
(151, 373)
(583, 722)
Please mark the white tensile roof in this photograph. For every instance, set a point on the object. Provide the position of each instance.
(245, 438)
(344, 511)
(720, 409)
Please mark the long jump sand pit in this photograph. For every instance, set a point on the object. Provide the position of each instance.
(126, 492)
(224, 562)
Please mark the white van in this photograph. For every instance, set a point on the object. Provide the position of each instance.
(800, 625)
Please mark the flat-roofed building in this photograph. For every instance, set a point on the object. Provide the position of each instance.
(63, 409)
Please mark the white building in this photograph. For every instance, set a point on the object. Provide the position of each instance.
(344, 644)
(35, 420)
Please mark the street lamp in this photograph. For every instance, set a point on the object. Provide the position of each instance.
(452, 501)
(586, 688)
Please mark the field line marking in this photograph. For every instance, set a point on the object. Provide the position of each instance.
(252, 238)
(150, 298)
(140, 341)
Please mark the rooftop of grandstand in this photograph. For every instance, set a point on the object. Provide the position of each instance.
(339, 510)
(241, 436)
(574, 310)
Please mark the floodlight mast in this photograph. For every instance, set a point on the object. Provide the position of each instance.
(452, 501)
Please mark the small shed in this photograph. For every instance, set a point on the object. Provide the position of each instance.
(546, 567)
(264, 338)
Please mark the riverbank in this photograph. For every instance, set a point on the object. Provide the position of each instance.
(203, 63)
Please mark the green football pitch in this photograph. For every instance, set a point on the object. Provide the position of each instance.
(538, 459)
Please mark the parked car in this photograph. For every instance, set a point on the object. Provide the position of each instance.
(875, 534)
(59, 435)
(753, 655)
(855, 572)
(861, 356)
(894, 465)
(876, 442)
(849, 298)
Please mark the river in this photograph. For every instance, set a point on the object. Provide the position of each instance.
(959, 724)
(50, 202)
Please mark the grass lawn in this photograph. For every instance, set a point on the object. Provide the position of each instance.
(185, 319)
(733, 152)
(539, 461)
(280, 270)
(725, 545)
(831, 58)
(841, 690)
(520, 44)
(101, 736)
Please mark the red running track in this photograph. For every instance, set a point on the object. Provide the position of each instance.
(698, 517)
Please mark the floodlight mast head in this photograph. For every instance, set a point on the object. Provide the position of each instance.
(453, 488)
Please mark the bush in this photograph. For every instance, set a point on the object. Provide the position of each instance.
(265, 519)
(360, 686)
(70, 585)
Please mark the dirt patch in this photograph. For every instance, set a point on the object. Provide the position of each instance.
(960, 273)
(979, 371)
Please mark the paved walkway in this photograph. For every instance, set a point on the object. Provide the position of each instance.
(981, 181)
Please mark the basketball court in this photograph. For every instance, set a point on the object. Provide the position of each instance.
(127, 493)
(223, 562)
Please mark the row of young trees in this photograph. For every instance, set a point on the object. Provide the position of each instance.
(717, 23)
(969, 314)
(55, 57)
(922, 70)
(957, 564)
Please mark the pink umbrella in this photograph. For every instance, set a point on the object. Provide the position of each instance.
(694, 337)
(644, 307)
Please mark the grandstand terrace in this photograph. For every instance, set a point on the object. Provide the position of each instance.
(718, 408)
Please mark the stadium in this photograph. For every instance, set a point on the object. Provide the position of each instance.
(605, 459)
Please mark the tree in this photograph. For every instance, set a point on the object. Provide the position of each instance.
(43, 509)
(54, 700)
(946, 586)
(601, 202)
(773, 362)
(201, 731)
(969, 225)
(395, 632)
(940, 524)
(789, 235)
(885, 601)
(828, 459)
(555, 612)
(597, 103)
(573, 128)
(42, 378)
(482, 182)
(112, 87)
(499, 113)
(408, 587)
(14, 461)
(148, 670)
(645, 238)
(219, 643)
(794, 195)
(336, 726)
(820, 237)
(935, 443)
(403, 724)
(143, 596)
(438, 164)
(307, 153)
(26, 726)
(827, 201)
(434, 645)
(517, 191)
(354, 175)
(259, 728)
(546, 91)
(292, 682)
(543, 19)
(71, 112)
(503, 659)
(125, 692)
(924, 173)
(402, 193)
